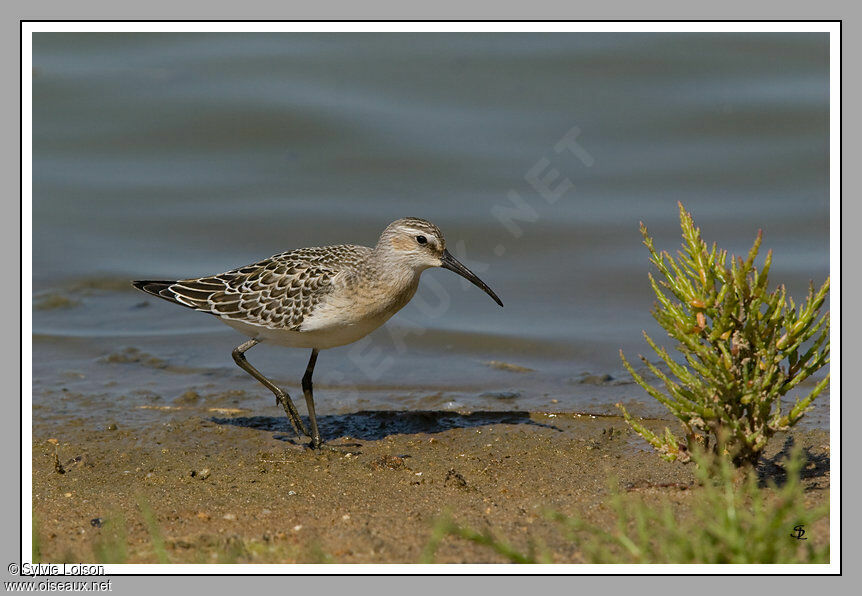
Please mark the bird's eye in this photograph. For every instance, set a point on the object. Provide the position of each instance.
(421, 239)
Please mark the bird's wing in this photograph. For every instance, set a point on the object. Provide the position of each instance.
(278, 292)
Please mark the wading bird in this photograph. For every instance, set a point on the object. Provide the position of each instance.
(317, 298)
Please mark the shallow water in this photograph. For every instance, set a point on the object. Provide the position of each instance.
(163, 156)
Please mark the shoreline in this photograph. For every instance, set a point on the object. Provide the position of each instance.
(225, 487)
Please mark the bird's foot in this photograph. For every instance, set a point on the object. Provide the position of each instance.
(293, 417)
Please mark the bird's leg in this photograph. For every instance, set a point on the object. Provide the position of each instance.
(281, 396)
(307, 390)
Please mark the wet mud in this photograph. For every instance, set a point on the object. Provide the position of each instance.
(204, 484)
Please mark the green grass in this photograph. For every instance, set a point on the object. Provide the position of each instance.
(446, 526)
(734, 518)
(37, 540)
(153, 529)
(110, 544)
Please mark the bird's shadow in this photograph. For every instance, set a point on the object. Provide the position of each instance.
(373, 425)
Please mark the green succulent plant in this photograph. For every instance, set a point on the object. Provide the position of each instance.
(743, 348)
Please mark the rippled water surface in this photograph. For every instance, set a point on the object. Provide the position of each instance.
(165, 156)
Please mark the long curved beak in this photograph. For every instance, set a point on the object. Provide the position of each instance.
(452, 264)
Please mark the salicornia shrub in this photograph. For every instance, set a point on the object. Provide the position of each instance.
(743, 346)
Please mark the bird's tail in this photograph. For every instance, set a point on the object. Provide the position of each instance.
(191, 293)
(157, 288)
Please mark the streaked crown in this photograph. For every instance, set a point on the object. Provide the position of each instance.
(417, 225)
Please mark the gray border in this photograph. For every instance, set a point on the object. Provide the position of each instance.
(443, 9)
(10, 236)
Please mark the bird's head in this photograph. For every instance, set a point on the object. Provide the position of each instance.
(420, 244)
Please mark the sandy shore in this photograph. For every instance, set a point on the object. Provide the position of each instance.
(228, 486)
